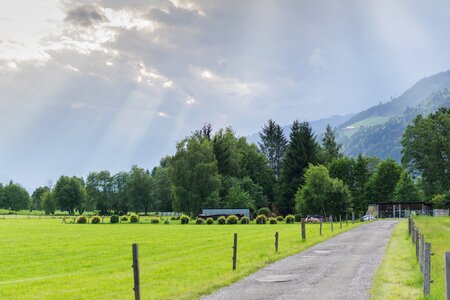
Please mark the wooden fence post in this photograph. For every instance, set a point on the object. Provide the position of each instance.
(303, 229)
(417, 244)
(276, 241)
(234, 251)
(413, 234)
(353, 218)
(137, 291)
(331, 222)
(447, 274)
(421, 251)
(321, 227)
(426, 270)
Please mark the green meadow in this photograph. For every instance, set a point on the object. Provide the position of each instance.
(44, 259)
(399, 275)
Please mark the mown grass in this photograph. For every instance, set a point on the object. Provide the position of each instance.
(399, 275)
(44, 259)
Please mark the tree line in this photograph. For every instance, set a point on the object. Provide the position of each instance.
(295, 174)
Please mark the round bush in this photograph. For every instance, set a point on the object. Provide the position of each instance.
(280, 219)
(245, 220)
(232, 219)
(209, 221)
(173, 218)
(290, 219)
(81, 220)
(200, 221)
(221, 220)
(115, 219)
(184, 219)
(166, 221)
(154, 220)
(264, 211)
(134, 219)
(124, 219)
(261, 219)
(272, 221)
(95, 220)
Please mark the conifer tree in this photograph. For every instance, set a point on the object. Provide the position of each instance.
(273, 145)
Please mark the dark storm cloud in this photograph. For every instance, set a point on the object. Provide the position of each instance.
(86, 15)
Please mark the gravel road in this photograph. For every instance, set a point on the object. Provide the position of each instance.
(339, 268)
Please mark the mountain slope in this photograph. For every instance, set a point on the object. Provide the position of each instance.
(412, 97)
(384, 140)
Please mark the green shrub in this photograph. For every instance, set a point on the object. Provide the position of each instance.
(166, 221)
(115, 219)
(124, 219)
(272, 220)
(200, 221)
(209, 221)
(290, 219)
(298, 217)
(261, 219)
(280, 219)
(221, 220)
(81, 220)
(95, 220)
(232, 219)
(173, 218)
(184, 219)
(134, 218)
(245, 220)
(264, 211)
(154, 220)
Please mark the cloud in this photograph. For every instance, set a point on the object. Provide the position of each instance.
(87, 16)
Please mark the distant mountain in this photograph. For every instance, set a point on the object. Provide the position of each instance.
(412, 97)
(318, 126)
(383, 140)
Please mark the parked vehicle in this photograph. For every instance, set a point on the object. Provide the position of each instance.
(367, 218)
(314, 219)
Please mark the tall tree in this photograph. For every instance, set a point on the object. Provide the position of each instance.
(36, 197)
(321, 194)
(381, 185)
(139, 189)
(361, 173)
(16, 197)
(162, 189)
(70, 194)
(406, 190)
(301, 151)
(2, 196)
(273, 144)
(426, 150)
(331, 149)
(100, 189)
(224, 147)
(48, 202)
(121, 201)
(343, 168)
(194, 176)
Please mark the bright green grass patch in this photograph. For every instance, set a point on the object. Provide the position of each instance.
(369, 122)
(44, 259)
(436, 230)
(398, 276)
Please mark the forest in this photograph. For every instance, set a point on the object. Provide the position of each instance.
(294, 174)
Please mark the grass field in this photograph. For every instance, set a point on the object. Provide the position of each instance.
(44, 259)
(399, 275)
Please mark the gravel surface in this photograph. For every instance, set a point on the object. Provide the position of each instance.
(339, 268)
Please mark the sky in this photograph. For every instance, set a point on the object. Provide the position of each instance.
(106, 84)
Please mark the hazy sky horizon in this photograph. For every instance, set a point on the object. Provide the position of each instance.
(105, 84)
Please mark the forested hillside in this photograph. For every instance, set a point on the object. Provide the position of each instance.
(383, 140)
